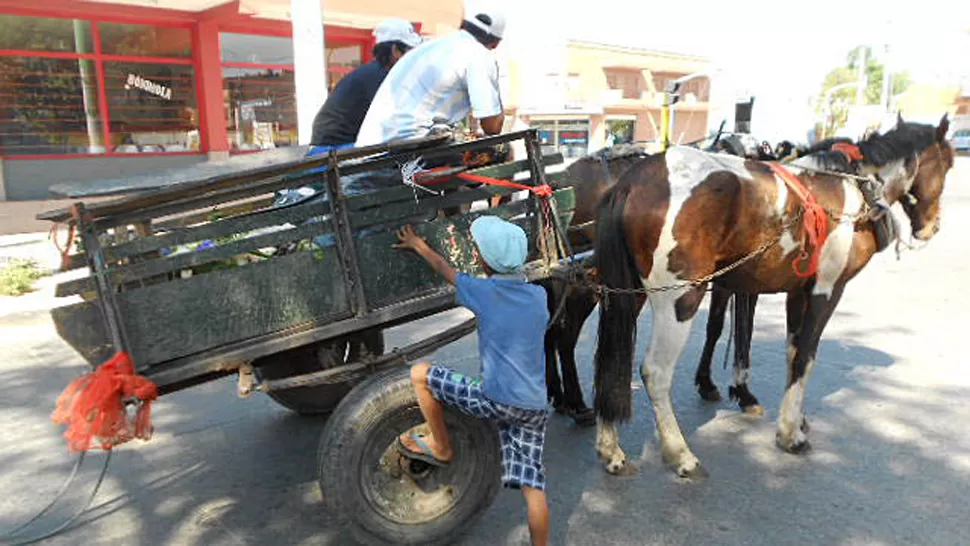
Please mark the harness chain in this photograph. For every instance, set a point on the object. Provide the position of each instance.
(603, 289)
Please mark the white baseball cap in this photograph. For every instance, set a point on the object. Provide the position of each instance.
(486, 16)
(397, 30)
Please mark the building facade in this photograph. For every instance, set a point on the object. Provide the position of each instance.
(95, 89)
(596, 95)
(104, 89)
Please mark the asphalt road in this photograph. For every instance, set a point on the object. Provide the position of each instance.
(887, 403)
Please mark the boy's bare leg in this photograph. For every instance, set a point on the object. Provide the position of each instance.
(434, 415)
(538, 512)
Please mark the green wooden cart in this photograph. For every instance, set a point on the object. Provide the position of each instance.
(207, 277)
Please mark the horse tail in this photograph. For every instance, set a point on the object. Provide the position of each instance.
(618, 312)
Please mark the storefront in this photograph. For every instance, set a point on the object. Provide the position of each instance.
(568, 136)
(121, 90)
(590, 96)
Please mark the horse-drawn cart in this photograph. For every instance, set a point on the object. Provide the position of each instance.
(208, 278)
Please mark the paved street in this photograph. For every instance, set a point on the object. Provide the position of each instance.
(887, 403)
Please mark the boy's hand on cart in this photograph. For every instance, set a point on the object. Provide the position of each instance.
(410, 240)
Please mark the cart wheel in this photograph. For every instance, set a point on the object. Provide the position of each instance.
(318, 400)
(387, 498)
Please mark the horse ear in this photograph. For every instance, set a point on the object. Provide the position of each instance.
(943, 128)
(899, 119)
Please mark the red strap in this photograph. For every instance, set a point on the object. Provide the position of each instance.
(815, 221)
(543, 190)
(849, 150)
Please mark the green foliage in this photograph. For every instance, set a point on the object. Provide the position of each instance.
(839, 101)
(17, 277)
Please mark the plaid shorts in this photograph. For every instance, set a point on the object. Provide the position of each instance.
(522, 431)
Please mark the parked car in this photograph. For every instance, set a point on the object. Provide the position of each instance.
(960, 140)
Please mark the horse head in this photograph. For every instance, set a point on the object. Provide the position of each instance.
(912, 160)
(922, 201)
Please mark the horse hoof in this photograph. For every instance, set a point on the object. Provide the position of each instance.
(712, 395)
(622, 468)
(754, 410)
(585, 417)
(798, 446)
(697, 472)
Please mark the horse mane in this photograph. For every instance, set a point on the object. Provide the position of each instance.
(900, 142)
(620, 151)
(823, 155)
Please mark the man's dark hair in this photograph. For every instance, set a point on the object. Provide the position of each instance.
(383, 51)
(483, 37)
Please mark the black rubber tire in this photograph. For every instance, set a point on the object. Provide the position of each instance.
(358, 441)
(318, 400)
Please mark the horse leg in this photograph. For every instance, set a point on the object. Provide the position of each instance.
(672, 318)
(743, 327)
(578, 309)
(812, 312)
(553, 384)
(715, 325)
(609, 450)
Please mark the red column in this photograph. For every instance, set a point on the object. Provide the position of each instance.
(211, 106)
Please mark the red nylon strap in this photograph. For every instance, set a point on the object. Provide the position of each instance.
(815, 221)
(543, 190)
(849, 150)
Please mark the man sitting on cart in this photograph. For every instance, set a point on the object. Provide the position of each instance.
(440, 83)
(338, 121)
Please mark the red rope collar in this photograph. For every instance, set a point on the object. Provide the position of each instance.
(814, 220)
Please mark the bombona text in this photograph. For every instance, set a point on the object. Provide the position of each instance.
(148, 86)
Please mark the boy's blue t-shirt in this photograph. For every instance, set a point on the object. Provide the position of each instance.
(512, 318)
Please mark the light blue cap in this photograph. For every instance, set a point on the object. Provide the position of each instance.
(502, 244)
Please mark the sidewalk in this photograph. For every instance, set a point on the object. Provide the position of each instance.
(37, 247)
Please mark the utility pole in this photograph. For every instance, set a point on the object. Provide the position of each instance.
(861, 76)
(886, 80)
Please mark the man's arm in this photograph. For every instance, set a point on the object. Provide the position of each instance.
(492, 125)
(411, 240)
(484, 94)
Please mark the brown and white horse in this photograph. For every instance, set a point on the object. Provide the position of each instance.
(684, 214)
(592, 176)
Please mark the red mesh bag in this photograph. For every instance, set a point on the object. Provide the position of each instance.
(93, 406)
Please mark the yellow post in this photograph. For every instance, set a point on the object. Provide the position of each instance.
(665, 123)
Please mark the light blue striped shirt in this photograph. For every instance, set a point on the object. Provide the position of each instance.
(437, 83)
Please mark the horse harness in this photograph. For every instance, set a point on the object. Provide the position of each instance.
(875, 210)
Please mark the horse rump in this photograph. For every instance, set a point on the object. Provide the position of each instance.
(616, 268)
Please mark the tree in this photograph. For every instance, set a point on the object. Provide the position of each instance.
(837, 104)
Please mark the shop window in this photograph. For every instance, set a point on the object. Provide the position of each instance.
(145, 41)
(261, 108)
(568, 137)
(342, 59)
(45, 34)
(49, 106)
(619, 131)
(259, 91)
(53, 73)
(152, 107)
(249, 48)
